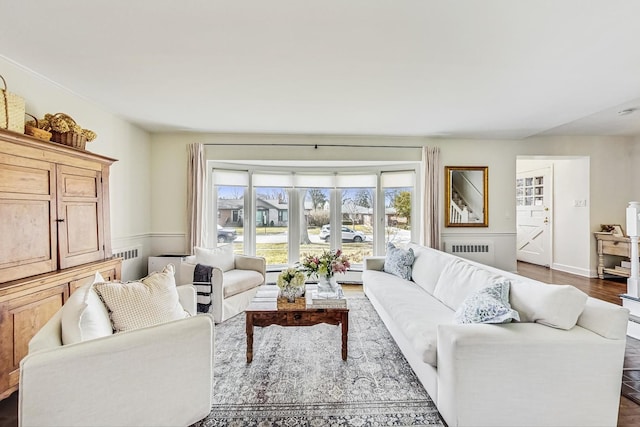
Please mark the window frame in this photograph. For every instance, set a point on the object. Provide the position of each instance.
(294, 193)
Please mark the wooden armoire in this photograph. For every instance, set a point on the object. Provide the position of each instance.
(54, 237)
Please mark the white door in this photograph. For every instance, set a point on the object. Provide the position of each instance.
(533, 221)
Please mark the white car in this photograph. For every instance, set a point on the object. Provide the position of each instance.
(348, 234)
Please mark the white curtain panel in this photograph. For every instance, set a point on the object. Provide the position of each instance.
(431, 197)
(196, 176)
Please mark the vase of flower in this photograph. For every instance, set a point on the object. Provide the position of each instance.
(323, 267)
(291, 284)
(327, 286)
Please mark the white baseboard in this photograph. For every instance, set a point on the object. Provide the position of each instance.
(572, 270)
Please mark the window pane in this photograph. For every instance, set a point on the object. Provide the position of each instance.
(357, 223)
(397, 211)
(272, 223)
(230, 226)
(315, 230)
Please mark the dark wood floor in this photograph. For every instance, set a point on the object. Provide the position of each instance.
(607, 289)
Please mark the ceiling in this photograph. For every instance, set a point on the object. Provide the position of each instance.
(453, 69)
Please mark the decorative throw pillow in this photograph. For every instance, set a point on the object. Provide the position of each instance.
(487, 305)
(84, 316)
(557, 306)
(147, 302)
(398, 261)
(221, 257)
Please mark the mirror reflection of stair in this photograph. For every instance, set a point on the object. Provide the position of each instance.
(461, 212)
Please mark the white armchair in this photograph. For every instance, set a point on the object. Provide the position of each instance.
(232, 286)
(161, 375)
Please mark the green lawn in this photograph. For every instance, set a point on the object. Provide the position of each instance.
(277, 253)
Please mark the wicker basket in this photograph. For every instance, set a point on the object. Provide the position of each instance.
(36, 131)
(72, 139)
(11, 110)
(300, 303)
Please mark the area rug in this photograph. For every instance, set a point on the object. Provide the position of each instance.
(298, 378)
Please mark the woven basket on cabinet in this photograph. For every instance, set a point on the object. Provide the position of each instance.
(11, 110)
(72, 139)
(35, 131)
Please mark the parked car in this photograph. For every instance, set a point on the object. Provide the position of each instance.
(348, 234)
(226, 235)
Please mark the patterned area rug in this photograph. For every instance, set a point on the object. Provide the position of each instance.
(298, 378)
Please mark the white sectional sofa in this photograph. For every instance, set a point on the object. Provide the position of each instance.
(560, 365)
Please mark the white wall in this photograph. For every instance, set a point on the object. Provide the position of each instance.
(129, 185)
(609, 167)
(572, 234)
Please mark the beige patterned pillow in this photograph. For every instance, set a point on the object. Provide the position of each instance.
(147, 302)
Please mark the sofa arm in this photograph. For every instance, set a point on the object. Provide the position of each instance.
(246, 262)
(49, 336)
(187, 296)
(374, 263)
(161, 375)
(552, 377)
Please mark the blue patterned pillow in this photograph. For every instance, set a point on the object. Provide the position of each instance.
(487, 305)
(399, 261)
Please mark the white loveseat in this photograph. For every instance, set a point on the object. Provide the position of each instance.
(561, 365)
(234, 278)
(161, 375)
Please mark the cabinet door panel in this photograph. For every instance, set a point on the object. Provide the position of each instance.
(80, 226)
(82, 236)
(28, 319)
(21, 319)
(27, 213)
(20, 245)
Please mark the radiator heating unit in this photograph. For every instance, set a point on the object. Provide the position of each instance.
(482, 252)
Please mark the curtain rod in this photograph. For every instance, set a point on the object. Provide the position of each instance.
(314, 146)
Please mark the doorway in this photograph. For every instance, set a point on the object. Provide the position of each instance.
(533, 215)
(553, 212)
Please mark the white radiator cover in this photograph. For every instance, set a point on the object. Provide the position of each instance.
(129, 253)
(482, 251)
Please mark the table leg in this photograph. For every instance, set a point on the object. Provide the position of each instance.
(345, 331)
(249, 337)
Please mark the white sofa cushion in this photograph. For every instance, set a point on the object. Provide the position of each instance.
(221, 257)
(558, 306)
(428, 266)
(459, 279)
(599, 317)
(237, 281)
(416, 313)
(150, 301)
(84, 316)
(487, 305)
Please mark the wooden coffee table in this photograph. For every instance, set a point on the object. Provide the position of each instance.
(263, 311)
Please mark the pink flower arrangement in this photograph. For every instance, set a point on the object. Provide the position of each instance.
(325, 264)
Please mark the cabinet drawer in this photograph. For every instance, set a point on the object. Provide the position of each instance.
(615, 248)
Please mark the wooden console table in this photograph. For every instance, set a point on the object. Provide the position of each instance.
(608, 244)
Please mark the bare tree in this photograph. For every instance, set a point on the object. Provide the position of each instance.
(318, 198)
(304, 230)
(364, 198)
(304, 223)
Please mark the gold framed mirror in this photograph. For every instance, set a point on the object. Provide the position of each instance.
(466, 196)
